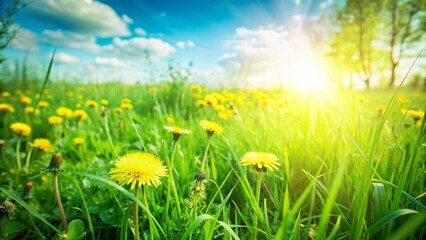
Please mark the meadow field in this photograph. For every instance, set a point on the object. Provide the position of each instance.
(234, 164)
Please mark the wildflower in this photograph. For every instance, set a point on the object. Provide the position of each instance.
(64, 112)
(219, 108)
(54, 120)
(260, 160)
(25, 100)
(153, 90)
(91, 104)
(177, 132)
(127, 106)
(211, 127)
(380, 112)
(210, 100)
(201, 103)
(5, 94)
(362, 99)
(21, 129)
(30, 110)
(104, 102)
(138, 169)
(78, 141)
(55, 164)
(415, 114)
(196, 88)
(170, 120)
(223, 116)
(27, 193)
(43, 144)
(105, 112)
(118, 110)
(125, 100)
(70, 94)
(402, 100)
(5, 108)
(7, 209)
(80, 114)
(43, 104)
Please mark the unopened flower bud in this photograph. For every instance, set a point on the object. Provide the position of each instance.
(55, 163)
(27, 193)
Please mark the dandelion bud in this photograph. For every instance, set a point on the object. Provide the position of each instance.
(27, 195)
(55, 163)
(7, 209)
(105, 112)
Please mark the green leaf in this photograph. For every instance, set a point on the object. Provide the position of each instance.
(76, 230)
(387, 219)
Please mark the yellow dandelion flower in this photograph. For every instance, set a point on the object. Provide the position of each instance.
(125, 100)
(138, 169)
(127, 106)
(5, 108)
(64, 112)
(177, 132)
(91, 104)
(402, 100)
(5, 94)
(260, 160)
(70, 94)
(104, 102)
(30, 110)
(170, 120)
(153, 90)
(43, 104)
(201, 103)
(43, 144)
(415, 114)
(211, 127)
(25, 100)
(78, 141)
(80, 114)
(118, 110)
(54, 120)
(223, 116)
(210, 100)
(219, 108)
(196, 88)
(21, 129)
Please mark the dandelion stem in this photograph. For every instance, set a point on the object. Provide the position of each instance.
(172, 180)
(258, 186)
(27, 161)
(205, 153)
(18, 160)
(137, 132)
(151, 225)
(135, 215)
(58, 200)
(109, 136)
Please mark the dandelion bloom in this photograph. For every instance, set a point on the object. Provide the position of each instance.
(5, 94)
(415, 114)
(25, 100)
(43, 104)
(118, 110)
(21, 129)
(4, 107)
(138, 169)
(104, 102)
(201, 103)
(260, 160)
(127, 106)
(153, 90)
(78, 141)
(211, 127)
(64, 112)
(80, 114)
(91, 103)
(43, 144)
(177, 132)
(210, 100)
(30, 110)
(54, 120)
(170, 120)
(125, 100)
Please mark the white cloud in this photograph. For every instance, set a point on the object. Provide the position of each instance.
(65, 58)
(127, 19)
(82, 16)
(112, 62)
(139, 47)
(139, 31)
(24, 39)
(70, 40)
(184, 44)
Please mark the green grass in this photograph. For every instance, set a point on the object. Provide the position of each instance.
(346, 171)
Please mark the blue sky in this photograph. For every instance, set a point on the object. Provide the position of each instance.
(111, 39)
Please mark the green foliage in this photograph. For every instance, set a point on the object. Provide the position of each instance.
(347, 170)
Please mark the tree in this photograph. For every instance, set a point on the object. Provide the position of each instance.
(7, 31)
(352, 46)
(404, 21)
